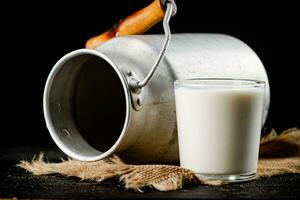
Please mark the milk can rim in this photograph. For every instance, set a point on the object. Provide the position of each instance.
(49, 122)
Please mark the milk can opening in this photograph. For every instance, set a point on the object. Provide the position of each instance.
(86, 105)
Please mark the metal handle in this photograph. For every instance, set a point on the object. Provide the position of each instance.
(171, 10)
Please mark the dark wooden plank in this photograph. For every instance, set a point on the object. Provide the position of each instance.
(15, 182)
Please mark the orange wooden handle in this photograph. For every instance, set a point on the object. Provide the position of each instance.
(136, 23)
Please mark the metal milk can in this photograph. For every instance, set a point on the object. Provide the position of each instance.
(109, 101)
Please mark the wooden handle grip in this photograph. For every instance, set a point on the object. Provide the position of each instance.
(136, 23)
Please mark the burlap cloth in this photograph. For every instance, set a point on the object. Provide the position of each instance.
(279, 154)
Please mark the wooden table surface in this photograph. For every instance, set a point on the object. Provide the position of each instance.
(16, 182)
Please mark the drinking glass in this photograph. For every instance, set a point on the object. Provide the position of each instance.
(219, 124)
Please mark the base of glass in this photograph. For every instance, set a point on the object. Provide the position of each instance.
(227, 178)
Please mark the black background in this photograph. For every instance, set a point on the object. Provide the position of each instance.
(34, 35)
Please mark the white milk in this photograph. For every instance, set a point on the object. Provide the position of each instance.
(219, 128)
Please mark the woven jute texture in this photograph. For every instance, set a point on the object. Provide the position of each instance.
(279, 154)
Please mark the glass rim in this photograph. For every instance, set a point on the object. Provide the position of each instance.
(219, 83)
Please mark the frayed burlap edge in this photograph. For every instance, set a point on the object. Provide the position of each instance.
(279, 154)
(160, 177)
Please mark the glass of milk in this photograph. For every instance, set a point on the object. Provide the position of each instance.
(219, 124)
